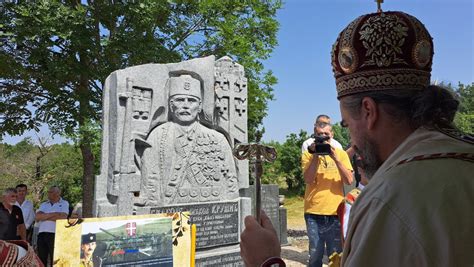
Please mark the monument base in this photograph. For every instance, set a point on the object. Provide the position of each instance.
(271, 206)
(228, 256)
(218, 226)
(218, 223)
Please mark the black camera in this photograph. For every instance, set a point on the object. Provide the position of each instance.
(320, 148)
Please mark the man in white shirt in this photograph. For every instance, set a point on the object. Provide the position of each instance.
(26, 208)
(49, 211)
(333, 142)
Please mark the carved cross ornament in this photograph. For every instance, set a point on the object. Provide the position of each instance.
(379, 5)
(260, 153)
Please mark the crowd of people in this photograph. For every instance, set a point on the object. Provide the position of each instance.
(17, 222)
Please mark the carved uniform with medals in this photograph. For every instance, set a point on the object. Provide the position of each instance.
(185, 161)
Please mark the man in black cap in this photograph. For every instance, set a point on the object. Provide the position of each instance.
(87, 250)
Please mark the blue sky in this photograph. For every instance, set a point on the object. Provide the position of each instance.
(301, 61)
(308, 28)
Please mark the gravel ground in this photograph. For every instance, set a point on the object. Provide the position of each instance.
(294, 257)
(296, 254)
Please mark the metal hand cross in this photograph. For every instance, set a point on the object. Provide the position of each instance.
(260, 153)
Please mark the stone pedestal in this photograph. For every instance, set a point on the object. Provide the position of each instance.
(271, 206)
(283, 226)
(218, 228)
(220, 257)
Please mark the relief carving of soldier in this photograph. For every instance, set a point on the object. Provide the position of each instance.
(183, 161)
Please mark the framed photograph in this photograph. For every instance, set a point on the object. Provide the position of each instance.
(143, 240)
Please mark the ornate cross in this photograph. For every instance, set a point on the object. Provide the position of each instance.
(379, 5)
(260, 153)
(230, 88)
(240, 107)
(131, 228)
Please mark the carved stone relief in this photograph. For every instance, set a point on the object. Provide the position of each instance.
(149, 158)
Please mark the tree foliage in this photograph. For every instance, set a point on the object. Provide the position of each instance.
(61, 166)
(464, 119)
(272, 171)
(55, 56)
(341, 134)
(288, 163)
(290, 158)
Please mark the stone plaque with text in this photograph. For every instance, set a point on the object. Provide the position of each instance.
(227, 260)
(217, 223)
(270, 202)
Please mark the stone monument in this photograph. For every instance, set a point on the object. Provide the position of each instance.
(272, 207)
(168, 134)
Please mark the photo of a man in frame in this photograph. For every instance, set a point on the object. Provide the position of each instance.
(88, 245)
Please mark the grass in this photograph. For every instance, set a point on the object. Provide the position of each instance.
(294, 204)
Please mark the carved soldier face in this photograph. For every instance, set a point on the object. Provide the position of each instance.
(185, 108)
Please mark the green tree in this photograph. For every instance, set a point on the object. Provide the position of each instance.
(272, 173)
(18, 162)
(289, 159)
(55, 56)
(64, 165)
(28, 163)
(341, 134)
(464, 119)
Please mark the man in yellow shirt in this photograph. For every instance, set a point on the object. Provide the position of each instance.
(324, 176)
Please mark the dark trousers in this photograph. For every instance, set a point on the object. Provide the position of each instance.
(323, 231)
(46, 247)
(29, 234)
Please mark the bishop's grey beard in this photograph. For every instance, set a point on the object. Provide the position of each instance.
(370, 160)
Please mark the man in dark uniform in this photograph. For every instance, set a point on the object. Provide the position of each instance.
(16, 225)
(88, 246)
